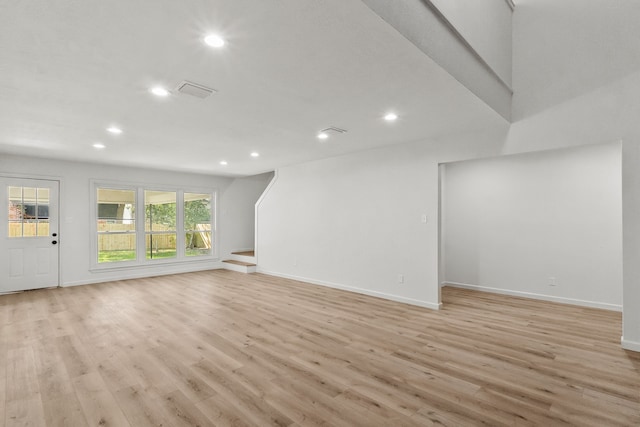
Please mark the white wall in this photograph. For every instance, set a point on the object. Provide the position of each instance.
(576, 82)
(486, 26)
(238, 211)
(343, 223)
(423, 25)
(354, 221)
(566, 49)
(75, 219)
(513, 222)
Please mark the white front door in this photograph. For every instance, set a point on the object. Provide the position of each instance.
(29, 239)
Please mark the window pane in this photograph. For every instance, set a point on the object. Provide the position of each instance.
(15, 228)
(29, 212)
(29, 202)
(116, 247)
(160, 210)
(29, 228)
(197, 224)
(162, 245)
(116, 225)
(15, 203)
(198, 243)
(42, 208)
(197, 210)
(43, 227)
(116, 210)
(15, 211)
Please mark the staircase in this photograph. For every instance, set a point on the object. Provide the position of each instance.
(243, 262)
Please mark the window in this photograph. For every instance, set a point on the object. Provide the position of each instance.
(116, 225)
(197, 224)
(160, 224)
(28, 212)
(175, 225)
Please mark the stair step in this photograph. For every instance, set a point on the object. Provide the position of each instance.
(239, 266)
(245, 264)
(245, 253)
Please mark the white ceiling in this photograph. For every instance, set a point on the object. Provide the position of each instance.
(290, 68)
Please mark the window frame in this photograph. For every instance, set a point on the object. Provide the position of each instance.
(140, 232)
(95, 218)
(150, 233)
(24, 217)
(212, 222)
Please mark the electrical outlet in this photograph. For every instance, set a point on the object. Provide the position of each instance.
(552, 281)
(400, 278)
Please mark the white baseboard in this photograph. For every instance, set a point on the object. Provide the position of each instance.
(126, 275)
(397, 298)
(572, 301)
(630, 345)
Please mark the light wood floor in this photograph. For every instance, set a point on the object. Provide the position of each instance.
(223, 348)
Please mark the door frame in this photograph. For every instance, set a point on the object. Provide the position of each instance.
(61, 230)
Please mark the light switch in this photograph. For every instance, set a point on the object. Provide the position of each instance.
(423, 219)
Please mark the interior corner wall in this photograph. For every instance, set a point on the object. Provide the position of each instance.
(237, 213)
(75, 243)
(355, 221)
(545, 225)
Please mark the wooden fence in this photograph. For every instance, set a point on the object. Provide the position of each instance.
(16, 230)
(117, 241)
(127, 242)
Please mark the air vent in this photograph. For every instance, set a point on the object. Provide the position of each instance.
(194, 89)
(333, 131)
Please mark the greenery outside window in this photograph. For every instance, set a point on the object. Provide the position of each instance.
(175, 225)
(116, 225)
(197, 224)
(160, 224)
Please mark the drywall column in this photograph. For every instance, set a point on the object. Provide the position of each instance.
(631, 245)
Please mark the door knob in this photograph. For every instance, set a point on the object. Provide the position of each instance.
(55, 242)
(54, 234)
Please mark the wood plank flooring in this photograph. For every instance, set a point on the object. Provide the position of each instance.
(224, 348)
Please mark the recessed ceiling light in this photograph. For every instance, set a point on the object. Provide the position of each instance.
(223, 163)
(98, 146)
(391, 117)
(330, 131)
(114, 130)
(254, 154)
(214, 40)
(159, 91)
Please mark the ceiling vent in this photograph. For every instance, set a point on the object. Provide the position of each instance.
(333, 131)
(194, 89)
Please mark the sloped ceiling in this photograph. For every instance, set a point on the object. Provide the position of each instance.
(290, 68)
